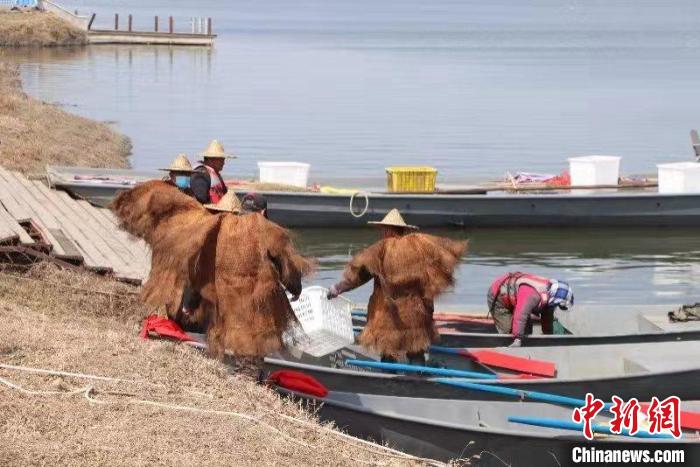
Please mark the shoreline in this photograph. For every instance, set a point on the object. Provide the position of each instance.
(34, 133)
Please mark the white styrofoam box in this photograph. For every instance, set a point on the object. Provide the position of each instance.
(326, 325)
(594, 170)
(679, 177)
(286, 173)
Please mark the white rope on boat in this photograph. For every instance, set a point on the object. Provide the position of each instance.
(352, 202)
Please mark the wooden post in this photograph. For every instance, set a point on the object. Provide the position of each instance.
(171, 25)
(116, 21)
(156, 25)
(130, 22)
(209, 26)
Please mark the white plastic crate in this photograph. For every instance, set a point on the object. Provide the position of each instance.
(326, 325)
(594, 170)
(679, 177)
(286, 173)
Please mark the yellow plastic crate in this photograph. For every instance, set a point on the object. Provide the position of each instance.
(411, 179)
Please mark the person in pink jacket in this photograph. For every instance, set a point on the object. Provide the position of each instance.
(515, 296)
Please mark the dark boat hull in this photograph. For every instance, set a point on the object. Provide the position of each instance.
(502, 340)
(309, 209)
(479, 447)
(549, 210)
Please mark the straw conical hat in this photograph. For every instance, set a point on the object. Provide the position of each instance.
(180, 164)
(394, 219)
(216, 149)
(228, 203)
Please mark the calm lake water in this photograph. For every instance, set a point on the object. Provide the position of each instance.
(473, 88)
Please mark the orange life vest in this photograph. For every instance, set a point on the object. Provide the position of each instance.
(217, 187)
(510, 282)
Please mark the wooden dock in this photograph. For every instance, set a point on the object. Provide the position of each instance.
(38, 222)
(200, 33)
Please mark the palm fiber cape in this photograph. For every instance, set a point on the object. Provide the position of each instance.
(240, 265)
(409, 272)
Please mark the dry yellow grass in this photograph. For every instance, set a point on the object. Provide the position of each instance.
(34, 133)
(93, 422)
(37, 29)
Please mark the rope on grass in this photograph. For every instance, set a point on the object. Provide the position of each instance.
(31, 392)
(90, 391)
(75, 375)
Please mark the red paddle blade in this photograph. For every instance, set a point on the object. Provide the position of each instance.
(511, 362)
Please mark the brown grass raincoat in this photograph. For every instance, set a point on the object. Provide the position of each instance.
(239, 263)
(408, 272)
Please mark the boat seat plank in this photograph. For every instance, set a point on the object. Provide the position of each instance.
(42, 219)
(661, 322)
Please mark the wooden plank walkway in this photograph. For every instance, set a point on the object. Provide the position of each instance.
(75, 230)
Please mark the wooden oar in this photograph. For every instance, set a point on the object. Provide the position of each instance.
(502, 360)
(569, 425)
(426, 370)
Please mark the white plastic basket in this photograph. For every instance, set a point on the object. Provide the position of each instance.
(326, 325)
(285, 173)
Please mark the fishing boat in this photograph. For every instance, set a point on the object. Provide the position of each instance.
(588, 325)
(627, 370)
(469, 207)
(479, 433)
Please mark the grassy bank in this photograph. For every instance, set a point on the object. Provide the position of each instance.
(34, 133)
(173, 407)
(37, 29)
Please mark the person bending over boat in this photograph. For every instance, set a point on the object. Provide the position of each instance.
(207, 184)
(179, 174)
(409, 270)
(515, 296)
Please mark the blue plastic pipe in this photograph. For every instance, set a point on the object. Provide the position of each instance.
(570, 425)
(427, 370)
(519, 393)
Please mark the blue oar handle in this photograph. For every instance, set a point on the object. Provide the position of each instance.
(427, 370)
(519, 393)
(569, 425)
(447, 350)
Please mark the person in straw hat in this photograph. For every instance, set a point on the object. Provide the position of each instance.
(241, 266)
(409, 270)
(179, 174)
(207, 184)
(191, 315)
(228, 203)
